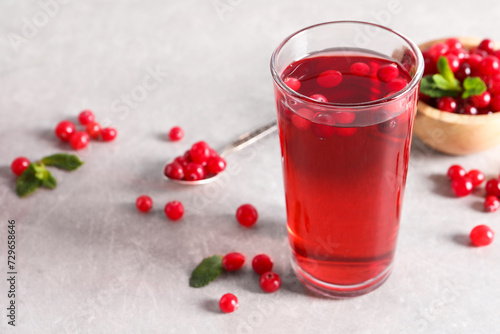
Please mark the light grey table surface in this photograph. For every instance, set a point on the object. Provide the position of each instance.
(88, 262)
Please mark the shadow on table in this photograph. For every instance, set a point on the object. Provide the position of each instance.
(441, 185)
(461, 239)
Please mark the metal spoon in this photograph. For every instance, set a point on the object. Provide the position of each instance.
(242, 142)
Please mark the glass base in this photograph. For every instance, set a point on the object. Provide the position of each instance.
(339, 291)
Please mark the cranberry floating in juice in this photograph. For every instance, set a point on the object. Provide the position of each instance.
(345, 117)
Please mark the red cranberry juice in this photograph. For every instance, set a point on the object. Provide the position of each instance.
(344, 170)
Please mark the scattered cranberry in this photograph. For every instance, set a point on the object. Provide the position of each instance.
(174, 171)
(176, 133)
(447, 104)
(487, 45)
(19, 165)
(233, 261)
(174, 210)
(79, 140)
(481, 235)
(216, 165)
(86, 117)
(108, 134)
(360, 69)
(456, 172)
(481, 101)
(476, 176)
(491, 203)
(200, 152)
(493, 187)
(262, 263)
(93, 129)
(144, 203)
(64, 130)
(270, 282)
(388, 72)
(247, 215)
(329, 78)
(228, 303)
(292, 83)
(462, 187)
(194, 172)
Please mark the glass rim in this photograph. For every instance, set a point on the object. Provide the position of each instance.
(409, 87)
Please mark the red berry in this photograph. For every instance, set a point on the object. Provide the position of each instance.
(322, 125)
(247, 215)
(395, 86)
(489, 66)
(19, 165)
(456, 172)
(270, 282)
(181, 161)
(481, 101)
(453, 62)
(487, 45)
(447, 104)
(86, 117)
(429, 64)
(475, 61)
(329, 78)
(318, 97)
(493, 187)
(200, 152)
(437, 50)
(476, 176)
(64, 130)
(478, 51)
(360, 69)
(495, 103)
(470, 110)
(144, 203)
(233, 261)
(462, 187)
(481, 235)
(301, 119)
(464, 71)
(174, 210)
(292, 83)
(194, 172)
(453, 43)
(176, 133)
(93, 129)
(388, 72)
(491, 203)
(228, 303)
(262, 263)
(216, 165)
(108, 134)
(79, 140)
(174, 171)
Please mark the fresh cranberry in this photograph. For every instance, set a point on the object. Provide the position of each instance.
(469, 110)
(262, 263)
(453, 43)
(174, 171)
(174, 210)
(144, 203)
(301, 120)
(19, 165)
(496, 53)
(228, 303)
(93, 129)
(194, 172)
(233, 261)
(481, 235)
(86, 117)
(292, 83)
(493, 187)
(437, 50)
(360, 69)
(429, 64)
(489, 66)
(475, 61)
(456, 172)
(322, 125)
(447, 104)
(216, 165)
(176, 133)
(495, 103)
(318, 97)
(270, 282)
(494, 86)
(79, 140)
(482, 100)
(200, 152)
(247, 215)
(453, 62)
(329, 78)
(182, 161)
(108, 134)
(491, 203)
(478, 51)
(462, 187)
(487, 45)
(485, 111)
(464, 71)
(388, 72)
(476, 176)
(187, 156)
(460, 53)
(64, 130)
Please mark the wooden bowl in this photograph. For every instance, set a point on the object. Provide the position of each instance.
(453, 133)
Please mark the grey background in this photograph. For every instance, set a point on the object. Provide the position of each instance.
(88, 262)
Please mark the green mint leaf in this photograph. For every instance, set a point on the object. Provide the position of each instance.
(430, 88)
(206, 271)
(49, 181)
(40, 171)
(64, 161)
(445, 70)
(473, 86)
(27, 182)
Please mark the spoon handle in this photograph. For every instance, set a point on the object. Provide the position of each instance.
(250, 138)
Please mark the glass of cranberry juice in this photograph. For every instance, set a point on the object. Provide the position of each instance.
(346, 96)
